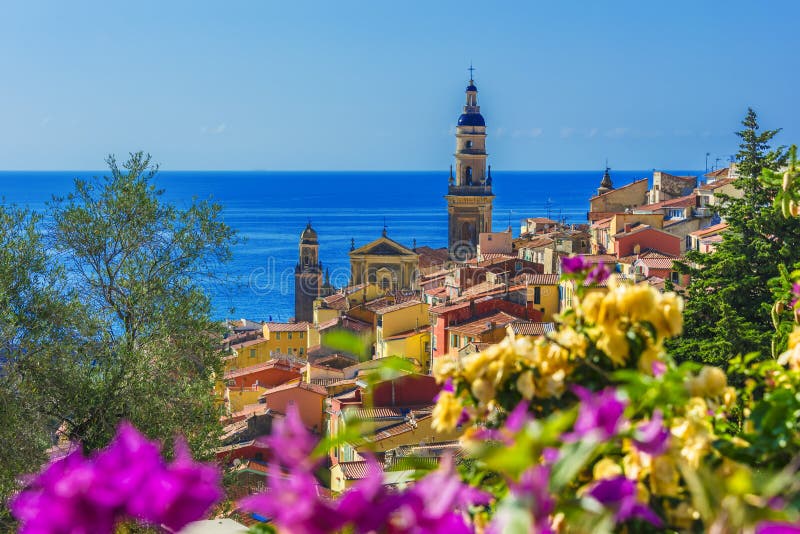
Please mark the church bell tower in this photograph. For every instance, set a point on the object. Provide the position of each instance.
(308, 283)
(469, 193)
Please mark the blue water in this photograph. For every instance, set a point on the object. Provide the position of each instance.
(270, 209)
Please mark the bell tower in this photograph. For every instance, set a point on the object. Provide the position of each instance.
(469, 193)
(308, 283)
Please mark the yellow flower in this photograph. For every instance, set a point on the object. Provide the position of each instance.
(712, 381)
(525, 385)
(651, 354)
(444, 367)
(446, 412)
(590, 306)
(682, 516)
(729, 396)
(606, 468)
(636, 464)
(791, 357)
(637, 302)
(615, 344)
(664, 477)
(670, 322)
(483, 390)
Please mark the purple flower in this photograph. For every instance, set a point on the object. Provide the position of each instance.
(532, 491)
(796, 294)
(599, 416)
(290, 442)
(573, 264)
(777, 528)
(126, 479)
(436, 502)
(659, 368)
(651, 437)
(176, 495)
(514, 423)
(293, 504)
(619, 495)
(447, 386)
(367, 506)
(598, 274)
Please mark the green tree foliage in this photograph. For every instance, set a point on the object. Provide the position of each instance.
(108, 319)
(36, 323)
(729, 298)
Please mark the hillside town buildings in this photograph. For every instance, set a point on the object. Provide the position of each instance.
(409, 305)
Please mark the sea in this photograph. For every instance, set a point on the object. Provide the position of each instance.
(269, 210)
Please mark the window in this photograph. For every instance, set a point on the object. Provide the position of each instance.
(469, 144)
(301, 351)
(252, 353)
(277, 336)
(675, 214)
(427, 348)
(301, 335)
(518, 266)
(433, 339)
(675, 277)
(454, 340)
(537, 295)
(385, 284)
(289, 335)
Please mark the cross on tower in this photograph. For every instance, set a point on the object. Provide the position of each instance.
(471, 69)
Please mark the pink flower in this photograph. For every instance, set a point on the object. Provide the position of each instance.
(599, 274)
(127, 479)
(651, 437)
(777, 528)
(619, 495)
(290, 442)
(573, 264)
(599, 416)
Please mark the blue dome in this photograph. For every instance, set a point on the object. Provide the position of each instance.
(471, 87)
(471, 119)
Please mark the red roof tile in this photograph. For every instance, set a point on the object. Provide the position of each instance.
(483, 324)
(530, 328)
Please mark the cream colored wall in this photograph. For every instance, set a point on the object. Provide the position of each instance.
(405, 319)
(322, 315)
(239, 398)
(423, 433)
(618, 199)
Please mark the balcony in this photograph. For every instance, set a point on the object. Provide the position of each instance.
(470, 190)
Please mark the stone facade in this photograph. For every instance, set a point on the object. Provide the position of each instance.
(385, 263)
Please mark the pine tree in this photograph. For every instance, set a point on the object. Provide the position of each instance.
(729, 298)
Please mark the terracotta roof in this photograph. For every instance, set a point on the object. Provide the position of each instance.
(543, 220)
(710, 230)
(365, 414)
(345, 322)
(337, 301)
(641, 228)
(287, 327)
(404, 335)
(540, 241)
(719, 173)
(296, 385)
(396, 430)
(495, 256)
(530, 328)
(429, 257)
(396, 306)
(657, 263)
(534, 279)
(358, 469)
(717, 184)
(602, 223)
(483, 324)
(680, 202)
(444, 308)
(249, 343)
(600, 258)
(274, 362)
(683, 177)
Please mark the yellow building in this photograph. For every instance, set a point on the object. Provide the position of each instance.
(385, 263)
(542, 291)
(279, 339)
(403, 329)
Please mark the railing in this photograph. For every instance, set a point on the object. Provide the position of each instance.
(474, 190)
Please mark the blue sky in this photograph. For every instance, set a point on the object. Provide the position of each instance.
(379, 85)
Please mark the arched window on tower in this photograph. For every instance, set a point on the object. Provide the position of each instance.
(305, 259)
(468, 176)
(469, 144)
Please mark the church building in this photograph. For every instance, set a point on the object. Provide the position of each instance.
(309, 284)
(469, 194)
(385, 263)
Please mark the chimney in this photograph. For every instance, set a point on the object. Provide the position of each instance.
(628, 227)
